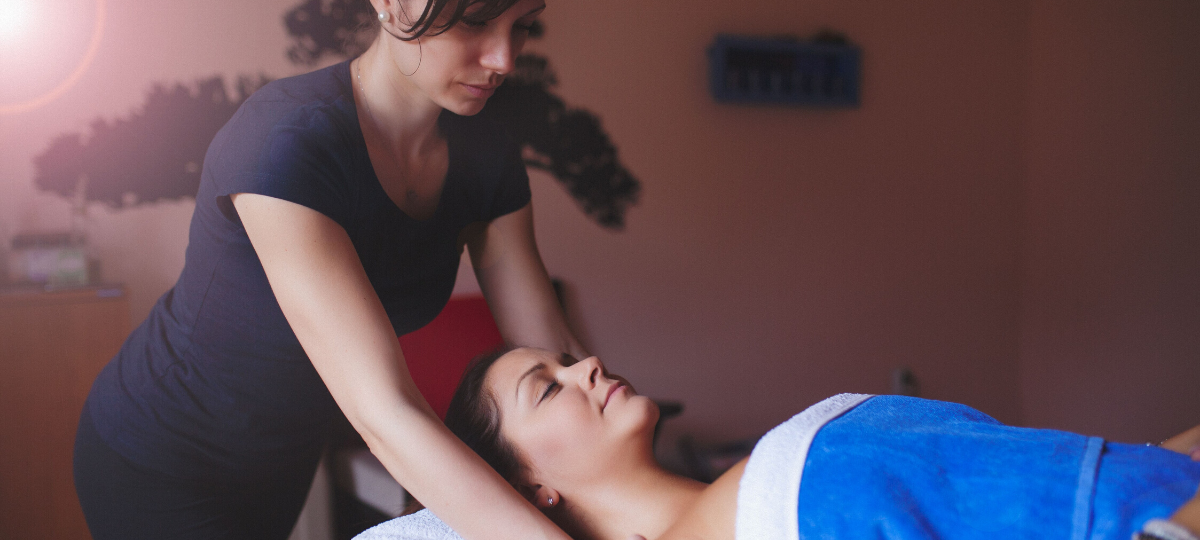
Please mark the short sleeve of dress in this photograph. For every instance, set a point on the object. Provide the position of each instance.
(298, 154)
(512, 192)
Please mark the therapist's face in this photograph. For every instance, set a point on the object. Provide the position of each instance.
(460, 68)
(570, 420)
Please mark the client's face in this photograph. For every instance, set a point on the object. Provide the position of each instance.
(571, 420)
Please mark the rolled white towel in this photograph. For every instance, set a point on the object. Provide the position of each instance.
(770, 486)
(421, 525)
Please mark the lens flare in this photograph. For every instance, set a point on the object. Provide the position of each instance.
(15, 23)
(14, 19)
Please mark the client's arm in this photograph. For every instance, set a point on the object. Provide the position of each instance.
(1189, 515)
(1187, 442)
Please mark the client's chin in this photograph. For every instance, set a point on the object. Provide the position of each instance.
(639, 414)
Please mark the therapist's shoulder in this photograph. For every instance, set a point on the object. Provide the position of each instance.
(303, 116)
(318, 101)
(713, 515)
(327, 85)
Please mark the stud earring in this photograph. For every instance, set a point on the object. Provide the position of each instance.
(550, 501)
(384, 16)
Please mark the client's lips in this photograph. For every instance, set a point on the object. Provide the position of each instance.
(611, 390)
(481, 90)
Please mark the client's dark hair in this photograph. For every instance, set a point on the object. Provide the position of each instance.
(474, 417)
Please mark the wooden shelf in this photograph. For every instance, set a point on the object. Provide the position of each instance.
(52, 345)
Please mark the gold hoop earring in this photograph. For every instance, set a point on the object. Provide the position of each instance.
(420, 46)
(420, 58)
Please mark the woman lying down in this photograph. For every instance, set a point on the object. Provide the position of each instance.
(576, 440)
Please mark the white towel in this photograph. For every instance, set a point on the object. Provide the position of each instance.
(769, 492)
(421, 525)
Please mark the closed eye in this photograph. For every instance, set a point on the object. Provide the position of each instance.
(549, 388)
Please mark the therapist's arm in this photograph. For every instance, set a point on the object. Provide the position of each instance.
(324, 292)
(514, 281)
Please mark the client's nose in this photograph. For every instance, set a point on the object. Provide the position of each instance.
(589, 371)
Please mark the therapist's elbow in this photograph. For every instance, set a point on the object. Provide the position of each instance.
(380, 422)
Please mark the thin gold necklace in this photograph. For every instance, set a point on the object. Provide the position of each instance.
(410, 195)
(358, 75)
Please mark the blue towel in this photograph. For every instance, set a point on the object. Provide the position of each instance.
(907, 469)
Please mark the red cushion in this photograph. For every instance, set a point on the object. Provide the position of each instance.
(438, 354)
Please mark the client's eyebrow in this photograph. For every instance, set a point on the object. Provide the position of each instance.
(536, 10)
(537, 367)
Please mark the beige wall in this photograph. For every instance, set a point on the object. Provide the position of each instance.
(780, 255)
(1110, 314)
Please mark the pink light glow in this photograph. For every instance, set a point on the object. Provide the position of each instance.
(46, 50)
(14, 20)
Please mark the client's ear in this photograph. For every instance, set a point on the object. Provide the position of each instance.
(545, 497)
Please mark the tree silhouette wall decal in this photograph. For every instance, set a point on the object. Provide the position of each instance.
(157, 151)
(153, 154)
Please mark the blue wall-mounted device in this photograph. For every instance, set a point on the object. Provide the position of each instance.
(819, 73)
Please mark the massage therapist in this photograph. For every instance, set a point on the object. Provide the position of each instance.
(331, 216)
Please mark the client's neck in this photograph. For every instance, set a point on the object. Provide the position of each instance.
(644, 500)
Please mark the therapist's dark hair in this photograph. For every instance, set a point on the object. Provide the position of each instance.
(441, 15)
(474, 417)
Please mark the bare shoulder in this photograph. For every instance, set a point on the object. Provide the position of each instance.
(1187, 443)
(713, 516)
